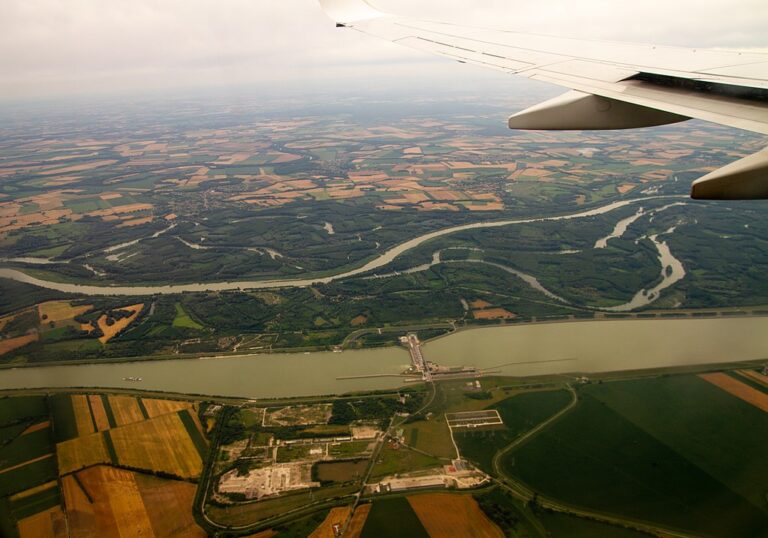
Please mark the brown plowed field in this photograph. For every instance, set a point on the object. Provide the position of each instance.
(358, 521)
(337, 516)
(446, 515)
(47, 524)
(169, 506)
(9, 344)
(737, 388)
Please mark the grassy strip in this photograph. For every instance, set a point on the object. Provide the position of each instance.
(12, 411)
(143, 409)
(90, 411)
(28, 476)
(82, 487)
(26, 447)
(194, 433)
(29, 506)
(748, 381)
(108, 410)
(110, 448)
(63, 417)
(8, 434)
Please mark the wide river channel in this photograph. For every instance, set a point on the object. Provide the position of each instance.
(378, 262)
(520, 350)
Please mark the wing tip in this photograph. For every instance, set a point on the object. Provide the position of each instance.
(344, 12)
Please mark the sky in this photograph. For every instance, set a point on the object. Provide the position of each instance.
(58, 48)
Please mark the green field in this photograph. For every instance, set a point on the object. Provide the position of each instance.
(20, 408)
(675, 450)
(26, 447)
(183, 320)
(393, 518)
(392, 461)
(520, 413)
(64, 425)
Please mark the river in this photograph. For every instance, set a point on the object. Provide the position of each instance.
(603, 346)
(380, 261)
(517, 350)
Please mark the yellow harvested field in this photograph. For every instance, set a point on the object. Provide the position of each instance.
(158, 444)
(493, 313)
(32, 491)
(736, 388)
(47, 524)
(169, 506)
(155, 408)
(36, 427)
(110, 331)
(10, 344)
(77, 168)
(359, 320)
(80, 452)
(135, 222)
(479, 303)
(125, 409)
(357, 523)
(82, 412)
(108, 504)
(60, 310)
(99, 413)
(337, 516)
(448, 515)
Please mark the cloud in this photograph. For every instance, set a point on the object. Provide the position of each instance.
(54, 47)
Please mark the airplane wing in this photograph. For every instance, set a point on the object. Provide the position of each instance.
(612, 85)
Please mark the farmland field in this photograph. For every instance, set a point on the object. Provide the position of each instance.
(46, 524)
(674, 450)
(82, 452)
(520, 413)
(82, 411)
(182, 319)
(158, 444)
(156, 408)
(125, 409)
(392, 518)
(445, 515)
(341, 471)
(741, 390)
(358, 520)
(104, 501)
(399, 460)
(336, 516)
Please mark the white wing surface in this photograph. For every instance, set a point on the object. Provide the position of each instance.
(613, 85)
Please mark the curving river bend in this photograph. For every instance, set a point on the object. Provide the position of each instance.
(380, 261)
